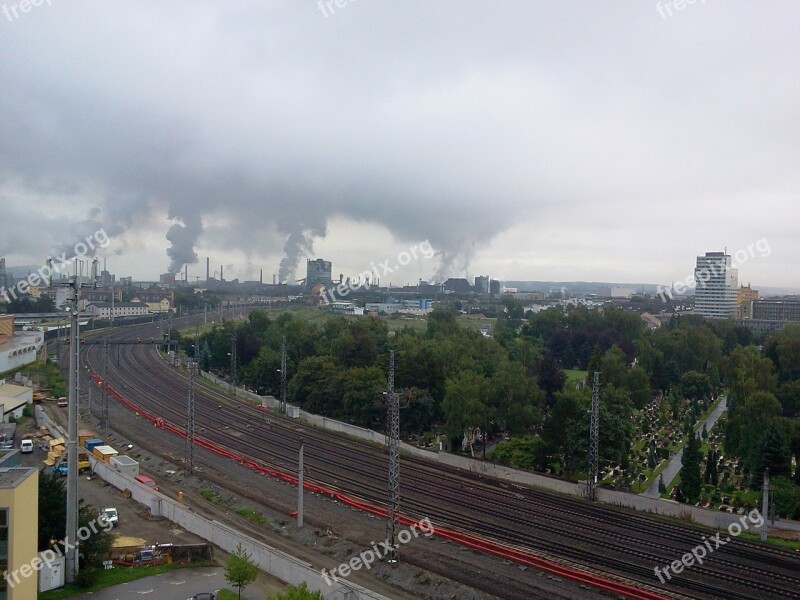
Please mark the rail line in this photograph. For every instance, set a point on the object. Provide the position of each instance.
(503, 512)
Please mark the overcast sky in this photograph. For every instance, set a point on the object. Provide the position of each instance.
(602, 141)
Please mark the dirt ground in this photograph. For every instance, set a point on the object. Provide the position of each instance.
(135, 526)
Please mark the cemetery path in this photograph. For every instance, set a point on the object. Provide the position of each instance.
(674, 466)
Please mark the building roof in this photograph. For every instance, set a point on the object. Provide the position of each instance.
(12, 477)
(118, 305)
(10, 390)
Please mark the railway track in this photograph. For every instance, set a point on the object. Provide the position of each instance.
(625, 544)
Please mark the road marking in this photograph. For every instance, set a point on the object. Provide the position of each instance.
(150, 591)
(177, 582)
(209, 574)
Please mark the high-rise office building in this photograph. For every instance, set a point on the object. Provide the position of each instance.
(716, 286)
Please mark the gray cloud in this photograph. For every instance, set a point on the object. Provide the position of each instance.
(249, 125)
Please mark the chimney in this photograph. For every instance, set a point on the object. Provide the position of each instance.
(221, 276)
(208, 268)
(274, 278)
(186, 273)
(261, 276)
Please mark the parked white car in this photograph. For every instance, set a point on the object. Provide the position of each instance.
(26, 446)
(110, 515)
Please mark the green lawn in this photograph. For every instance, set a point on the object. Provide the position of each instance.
(117, 575)
(575, 375)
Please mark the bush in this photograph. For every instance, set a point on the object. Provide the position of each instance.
(86, 577)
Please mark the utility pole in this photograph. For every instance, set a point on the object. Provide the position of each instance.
(594, 439)
(283, 375)
(169, 335)
(104, 405)
(393, 442)
(300, 486)
(765, 506)
(189, 447)
(232, 387)
(71, 528)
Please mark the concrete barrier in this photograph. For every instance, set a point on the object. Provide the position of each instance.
(270, 560)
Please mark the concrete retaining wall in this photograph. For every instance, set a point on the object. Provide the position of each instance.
(270, 560)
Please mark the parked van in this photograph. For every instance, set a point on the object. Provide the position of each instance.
(63, 402)
(26, 446)
(148, 481)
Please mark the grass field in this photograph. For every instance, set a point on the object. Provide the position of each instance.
(574, 375)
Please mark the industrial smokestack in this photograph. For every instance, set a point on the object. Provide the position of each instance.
(274, 278)
(208, 268)
(186, 273)
(221, 273)
(261, 276)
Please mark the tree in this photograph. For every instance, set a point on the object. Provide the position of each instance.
(300, 592)
(595, 362)
(52, 509)
(240, 570)
(711, 476)
(789, 397)
(637, 383)
(566, 430)
(613, 367)
(52, 526)
(695, 386)
(464, 405)
(363, 402)
(691, 481)
(785, 497)
(317, 386)
(616, 428)
(783, 348)
(551, 377)
(662, 487)
(514, 398)
(519, 453)
(774, 455)
(747, 424)
(95, 548)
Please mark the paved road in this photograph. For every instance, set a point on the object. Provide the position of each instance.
(674, 466)
(176, 585)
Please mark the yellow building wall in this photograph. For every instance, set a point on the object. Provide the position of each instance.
(6, 326)
(22, 503)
